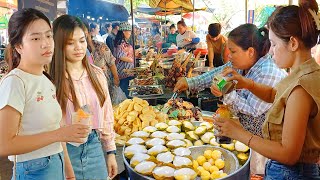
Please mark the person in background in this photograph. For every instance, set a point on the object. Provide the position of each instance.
(291, 134)
(156, 35)
(139, 38)
(217, 51)
(124, 55)
(108, 29)
(172, 36)
(103, 58)
(186, 39)
(95, 32)
(81, 85)
(111, 37)
(30, 115)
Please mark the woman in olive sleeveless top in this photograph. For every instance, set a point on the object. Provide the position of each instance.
(291, 131)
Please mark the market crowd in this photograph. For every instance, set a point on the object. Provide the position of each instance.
(61, 72)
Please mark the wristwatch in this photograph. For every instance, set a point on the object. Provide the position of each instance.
(112, 152)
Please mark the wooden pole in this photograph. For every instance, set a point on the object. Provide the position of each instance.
(132, 34)
(246, 11)
(193, 16)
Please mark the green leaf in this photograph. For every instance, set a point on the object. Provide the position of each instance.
(174, 114)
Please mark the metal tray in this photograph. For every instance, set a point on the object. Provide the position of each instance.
(166, 59)
(132, 84)
(133, 94)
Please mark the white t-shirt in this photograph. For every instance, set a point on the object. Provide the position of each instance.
(104, 37)
(35, 98)
(186, 35)
(99, 38)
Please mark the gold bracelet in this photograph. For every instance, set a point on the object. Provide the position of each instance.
(249, 141)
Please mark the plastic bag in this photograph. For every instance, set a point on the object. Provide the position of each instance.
(118, 95)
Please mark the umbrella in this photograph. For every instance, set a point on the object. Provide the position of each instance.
(189, 16)
(98, 8)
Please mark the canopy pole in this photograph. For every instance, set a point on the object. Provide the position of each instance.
(193, 16)
(132, 34)
(165, 19)
(246, 11)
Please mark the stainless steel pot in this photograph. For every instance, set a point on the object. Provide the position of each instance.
(242, 173)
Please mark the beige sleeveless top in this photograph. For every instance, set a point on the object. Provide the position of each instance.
(307, 76)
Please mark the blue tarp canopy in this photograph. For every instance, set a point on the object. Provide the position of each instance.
(98, 8)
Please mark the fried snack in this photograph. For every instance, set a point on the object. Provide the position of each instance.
(135, 114)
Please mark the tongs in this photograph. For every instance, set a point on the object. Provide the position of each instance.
(175, 95)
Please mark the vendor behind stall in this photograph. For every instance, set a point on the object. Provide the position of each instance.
(124, 55)
(172, 36)
(249, 56)
(217, 51)
(186, 39)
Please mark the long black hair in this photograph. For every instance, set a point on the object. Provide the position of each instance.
(119, 38)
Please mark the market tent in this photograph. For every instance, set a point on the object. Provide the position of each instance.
(98, 8)
(184, 5)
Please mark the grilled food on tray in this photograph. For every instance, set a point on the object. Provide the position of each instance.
(146, 90)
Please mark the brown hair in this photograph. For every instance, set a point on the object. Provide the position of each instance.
(248, 35)
(17, 26)
(296, 21)
(63, 28)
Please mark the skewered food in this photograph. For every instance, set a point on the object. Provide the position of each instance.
(143, 80)
(146, 90)
(177, 71)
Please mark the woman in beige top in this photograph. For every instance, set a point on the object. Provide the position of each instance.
(291, 131)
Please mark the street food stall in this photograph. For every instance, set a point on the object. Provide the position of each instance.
(166, 135)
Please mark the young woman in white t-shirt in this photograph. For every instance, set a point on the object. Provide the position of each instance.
(30, 132)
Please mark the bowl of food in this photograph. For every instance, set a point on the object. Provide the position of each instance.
(224, 160)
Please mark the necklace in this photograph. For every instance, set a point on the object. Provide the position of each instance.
(81, 74)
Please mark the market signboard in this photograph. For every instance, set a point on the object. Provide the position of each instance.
(48, 7)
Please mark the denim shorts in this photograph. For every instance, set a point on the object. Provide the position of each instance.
(88, 160)
(48, 168)
(300, 171)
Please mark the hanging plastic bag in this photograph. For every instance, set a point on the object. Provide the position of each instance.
(118, 95)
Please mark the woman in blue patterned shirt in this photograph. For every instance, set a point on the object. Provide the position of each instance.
(124, 55)
(249, 48)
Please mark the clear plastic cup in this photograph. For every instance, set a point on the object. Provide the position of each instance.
(84, 120)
